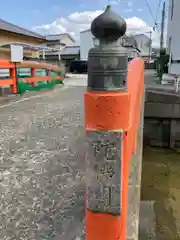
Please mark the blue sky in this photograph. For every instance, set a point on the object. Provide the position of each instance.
(34, 13)
(37, 12)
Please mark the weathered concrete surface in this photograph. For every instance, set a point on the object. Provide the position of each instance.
(162, 96)
(162, 105)
(147, 219)
(103, 171)
(161, 100)
(42, 166)
(134, 187)
(152, 78)
(162, 114)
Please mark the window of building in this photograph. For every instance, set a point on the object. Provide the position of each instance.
(172, 9)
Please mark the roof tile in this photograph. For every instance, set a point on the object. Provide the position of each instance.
(16, 29)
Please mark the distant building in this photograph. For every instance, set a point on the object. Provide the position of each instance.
(66, 54)
(64, 48)
(173, 36)
(10, 33)
(57, 49)
(51, 47)
(143, 44)
(135, 44)
(87, 41)
(59, 40)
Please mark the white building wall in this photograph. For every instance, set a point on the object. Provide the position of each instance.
(86, 43)
(173, 35)
(143, 44)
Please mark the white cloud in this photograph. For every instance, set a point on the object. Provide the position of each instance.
(79, 21)
(128, 10)
(113, 2)
(136, 25)
(130, 4)
(140, 10)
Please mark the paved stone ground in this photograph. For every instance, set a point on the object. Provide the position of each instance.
(153, 83)
(42, 166)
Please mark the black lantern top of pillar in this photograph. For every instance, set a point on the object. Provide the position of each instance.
(108, 26)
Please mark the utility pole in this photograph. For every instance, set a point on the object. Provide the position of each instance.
(162, 26)
(150, 45)
(162, 50)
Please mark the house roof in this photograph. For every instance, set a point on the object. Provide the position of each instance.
(6, 26)
(87, 30)
(59, 36)
(29, 47)
(70, 50)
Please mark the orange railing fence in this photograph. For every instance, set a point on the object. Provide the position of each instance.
(33, 81)
(10, 78)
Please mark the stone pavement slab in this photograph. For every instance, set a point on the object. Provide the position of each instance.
(42, 167)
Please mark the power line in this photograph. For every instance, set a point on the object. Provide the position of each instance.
(154, 20)
(150, 10)
(158, 8)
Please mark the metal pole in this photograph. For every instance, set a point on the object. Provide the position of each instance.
(43, 54)
(150, 45)
(162, 26)
(162, 50)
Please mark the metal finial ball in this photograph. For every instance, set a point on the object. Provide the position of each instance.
(108, 25)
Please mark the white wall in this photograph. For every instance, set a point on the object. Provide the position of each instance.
(66, 40)
(143, 43)
(62, 38)
(86, 43)
(174, 34)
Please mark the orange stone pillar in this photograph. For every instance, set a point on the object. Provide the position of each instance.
(106, 116)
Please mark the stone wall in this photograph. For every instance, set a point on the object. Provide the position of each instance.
(162, 119)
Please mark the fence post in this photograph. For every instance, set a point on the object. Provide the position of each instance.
(106, 106)
(14, 77)
(33, 74)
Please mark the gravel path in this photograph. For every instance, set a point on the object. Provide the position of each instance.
(42, 167)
